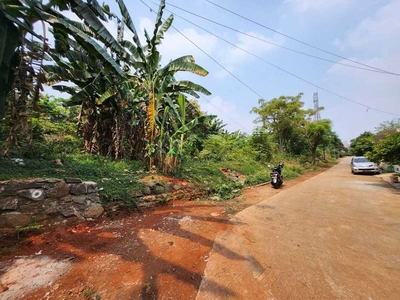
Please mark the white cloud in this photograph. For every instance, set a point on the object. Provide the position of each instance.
(382, 31)
(374, 41)
(227, 112)
(256, 46)
(176, 44)
(315, 5)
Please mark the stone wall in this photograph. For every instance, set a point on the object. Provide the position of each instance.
(158, 190)
(42, 199)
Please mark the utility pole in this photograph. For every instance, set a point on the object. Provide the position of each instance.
(317, 116)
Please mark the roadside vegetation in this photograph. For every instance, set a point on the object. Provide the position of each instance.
(381, 146)
(127, 115)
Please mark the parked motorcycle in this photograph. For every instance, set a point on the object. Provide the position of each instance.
(276, 176)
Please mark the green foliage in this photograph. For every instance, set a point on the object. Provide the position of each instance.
(386, 149)
(115, 176)
(362, 144)
(225, 146)
(260, 142)
(53, 131)
(283, 117)
(31, 226)
(387, 125)
(318, 133)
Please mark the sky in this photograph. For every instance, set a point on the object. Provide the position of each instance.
(356, 100)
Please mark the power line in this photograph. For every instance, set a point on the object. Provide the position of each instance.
(216, 107)
(209, 56)
(299, 41)
(273, 65)
(274, 44)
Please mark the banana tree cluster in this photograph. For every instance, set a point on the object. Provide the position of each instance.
(131, 106)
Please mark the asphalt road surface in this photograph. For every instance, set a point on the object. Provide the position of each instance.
(334, 236)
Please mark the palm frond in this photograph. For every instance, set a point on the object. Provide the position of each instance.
(98, 9)
(165, 26)
(129, 23)
(65, 89)
(189, 126)
(175, 66)
(83, 11)
(186, 86)
(106, 95)
(92, 46)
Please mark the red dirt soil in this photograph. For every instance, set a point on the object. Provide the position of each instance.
(160, 253)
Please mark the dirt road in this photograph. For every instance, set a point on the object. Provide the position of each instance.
(334, 236)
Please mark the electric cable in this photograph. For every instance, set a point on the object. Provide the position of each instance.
(209, 56)
(299, 41)
(275, 66)
(274, 44)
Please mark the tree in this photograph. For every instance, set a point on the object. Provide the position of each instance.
(362, 144)
(24, 84)
(282, 118)
(161, 89)
(260, 141)
(317, 133)
(335, 144)
(386, 149)
(387, 125)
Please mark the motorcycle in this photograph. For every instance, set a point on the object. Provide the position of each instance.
(276, 176)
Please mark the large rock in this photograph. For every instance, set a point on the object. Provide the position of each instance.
(49, 207)
(78, 189)
(79, 199)
(9, 203)
(10, 188)
(60, 189)
(91, 187)
(73, 180)
(32, 194)
(68, 211)
(94, 211)
(10, 220)
(158, 189)
(93, 197)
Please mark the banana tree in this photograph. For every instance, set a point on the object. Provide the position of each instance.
(21, 61)
(174, 155)
(159, 83)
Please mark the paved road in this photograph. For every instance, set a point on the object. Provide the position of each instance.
(335, 236)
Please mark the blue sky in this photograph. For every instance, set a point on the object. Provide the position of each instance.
(364, 31)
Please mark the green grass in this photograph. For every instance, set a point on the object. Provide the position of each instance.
(114, 177)
(117, 178)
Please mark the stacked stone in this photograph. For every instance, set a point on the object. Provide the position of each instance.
(47, 198)
(156, 193)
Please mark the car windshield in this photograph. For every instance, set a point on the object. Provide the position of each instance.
(361, 160)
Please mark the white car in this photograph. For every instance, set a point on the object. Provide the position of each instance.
(360, 164)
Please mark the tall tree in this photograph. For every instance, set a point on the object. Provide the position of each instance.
(25, 83)
(362, 144)
(158, 82)
(386, 149)
(282, 118)
(317, 133)
(387, 125)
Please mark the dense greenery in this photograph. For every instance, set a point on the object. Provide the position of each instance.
(291, 128)
(127, 113)
(386, 149)
(383, 146)
(362, 144)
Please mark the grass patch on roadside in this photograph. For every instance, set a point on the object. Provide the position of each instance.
(114, 177)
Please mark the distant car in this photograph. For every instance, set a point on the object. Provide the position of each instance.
(360, 164)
